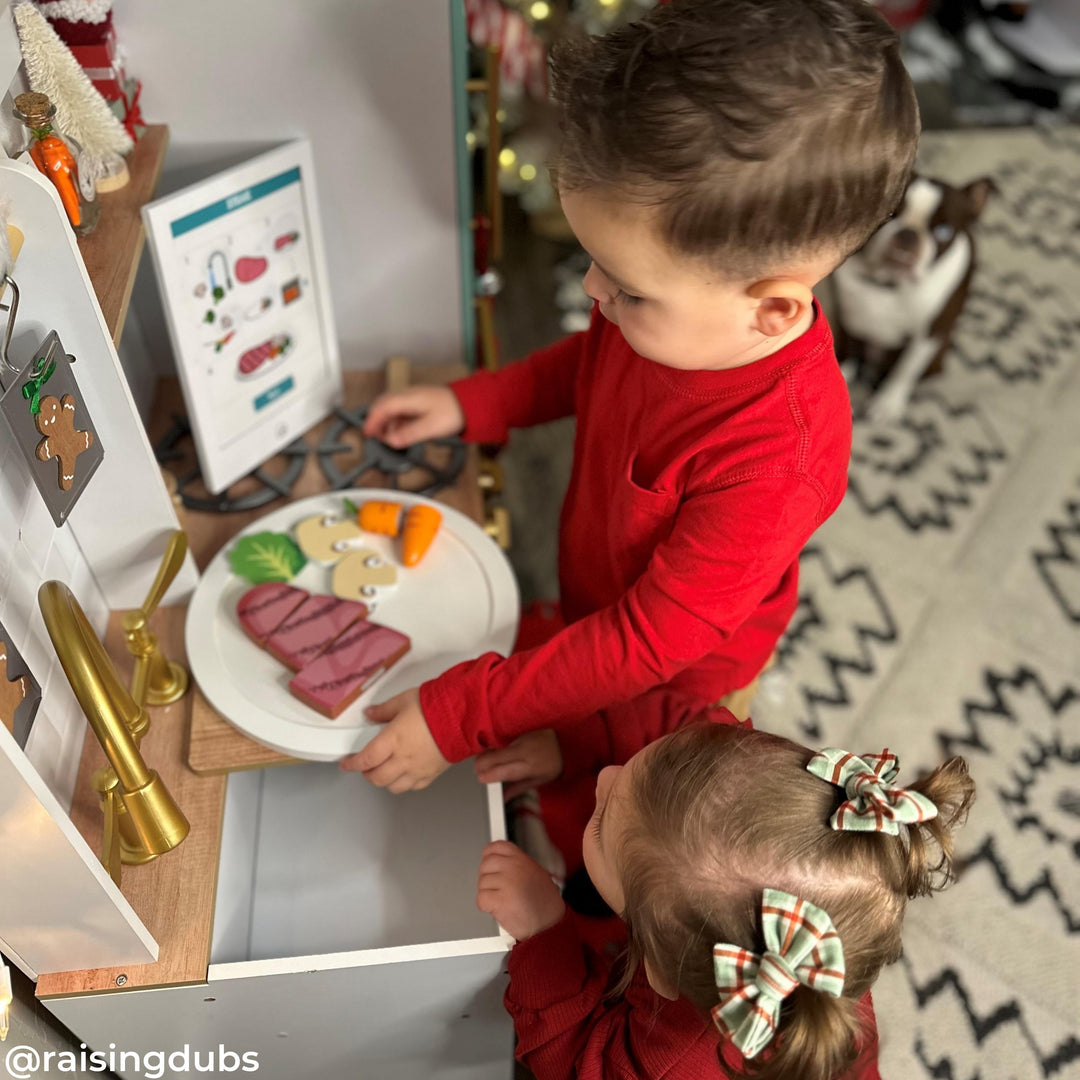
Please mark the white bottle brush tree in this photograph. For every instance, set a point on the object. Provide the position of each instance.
(81, 111)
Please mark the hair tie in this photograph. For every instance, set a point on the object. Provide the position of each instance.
(874, 803)
(801, 946)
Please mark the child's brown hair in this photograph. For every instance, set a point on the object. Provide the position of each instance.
(762, 131)
(721, 812)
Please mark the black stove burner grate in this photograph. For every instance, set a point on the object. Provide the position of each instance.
(437, 463)
(257, 489)
(426, 468)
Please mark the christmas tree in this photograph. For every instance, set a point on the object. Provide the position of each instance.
(81, 112)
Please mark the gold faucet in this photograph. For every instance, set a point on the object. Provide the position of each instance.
(142, 820)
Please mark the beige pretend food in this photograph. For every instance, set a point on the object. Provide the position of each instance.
(316, 537)
(360, 574)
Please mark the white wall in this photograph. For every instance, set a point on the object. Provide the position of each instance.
(370, 82)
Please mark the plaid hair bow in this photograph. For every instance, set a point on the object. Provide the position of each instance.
(874, 803)
(801, 946)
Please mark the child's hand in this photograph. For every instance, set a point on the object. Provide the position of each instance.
(403, 756)
(517, 891)
(421, 412)
(527, 762)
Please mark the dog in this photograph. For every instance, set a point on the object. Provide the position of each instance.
(899, 296)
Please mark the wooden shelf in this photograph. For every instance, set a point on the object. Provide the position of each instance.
(111, 252)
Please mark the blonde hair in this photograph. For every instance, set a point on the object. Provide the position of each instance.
(721, 812)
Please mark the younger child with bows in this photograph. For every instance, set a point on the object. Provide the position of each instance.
(762, 887)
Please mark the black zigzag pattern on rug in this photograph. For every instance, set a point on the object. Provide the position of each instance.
(1022, 678)
(1041, 760)
(1064, 139)
(981, 1028)
(1041, 212)
(1030, 241)
(810, 617)
(1019, 893)
(978, 738)
(1060, 563)
(928, 438)
(1001, 310)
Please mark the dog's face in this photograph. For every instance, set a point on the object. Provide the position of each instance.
(929, 219)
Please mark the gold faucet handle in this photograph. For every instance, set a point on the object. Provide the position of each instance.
(156, 681)
(167, 571)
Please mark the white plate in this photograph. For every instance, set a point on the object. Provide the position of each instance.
(460, 602)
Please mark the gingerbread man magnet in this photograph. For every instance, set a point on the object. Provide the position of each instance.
(12, 691)
(51, 427)
(62, 439)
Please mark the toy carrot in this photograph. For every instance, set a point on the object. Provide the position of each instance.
(421, 524)
(54, 159)
(417, 526)
(383, 518)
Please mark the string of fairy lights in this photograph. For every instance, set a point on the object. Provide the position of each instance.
(524, 30)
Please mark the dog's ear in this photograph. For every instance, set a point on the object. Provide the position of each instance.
(977, 192)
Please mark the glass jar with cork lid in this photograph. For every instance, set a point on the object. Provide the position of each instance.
(56, 156)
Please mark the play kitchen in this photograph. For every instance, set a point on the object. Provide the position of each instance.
(207, 578)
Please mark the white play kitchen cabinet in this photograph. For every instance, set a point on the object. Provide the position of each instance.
(308, 918)
(346, 939)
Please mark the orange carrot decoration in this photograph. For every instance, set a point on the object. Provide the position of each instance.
(421, 524)
(383, 518)
(55, 160)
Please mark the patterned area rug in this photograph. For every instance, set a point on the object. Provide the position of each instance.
(940, 614)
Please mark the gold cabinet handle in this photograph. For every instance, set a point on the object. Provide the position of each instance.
(497, 526)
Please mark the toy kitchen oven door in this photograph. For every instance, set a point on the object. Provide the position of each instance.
(346, 939)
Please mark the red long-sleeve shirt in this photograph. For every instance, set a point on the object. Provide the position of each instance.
(692, 494)
(567, 1030)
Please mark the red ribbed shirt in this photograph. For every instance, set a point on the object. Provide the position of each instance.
(691, 495)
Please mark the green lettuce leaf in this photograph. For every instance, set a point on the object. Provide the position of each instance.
(266, 556)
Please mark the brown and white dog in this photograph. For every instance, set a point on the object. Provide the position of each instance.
(898, 297)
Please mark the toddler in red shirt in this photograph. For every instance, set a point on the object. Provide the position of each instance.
(719, 158)
(763, 888)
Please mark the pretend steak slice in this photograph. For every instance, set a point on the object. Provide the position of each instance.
(311, 627)
(263, 609)
(335, 679)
